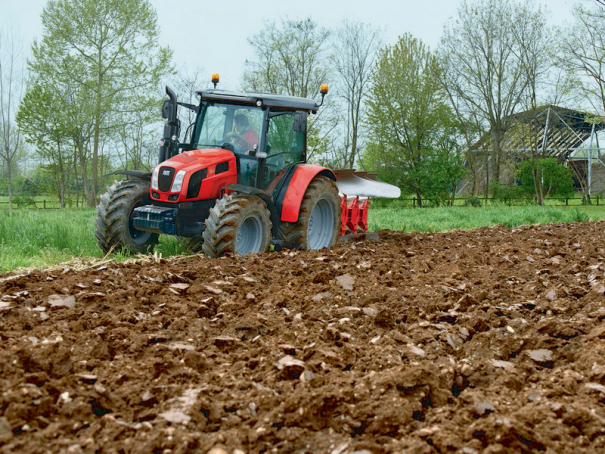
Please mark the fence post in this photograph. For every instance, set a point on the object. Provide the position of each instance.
(414, 201)
(566, 201)
(45, 204)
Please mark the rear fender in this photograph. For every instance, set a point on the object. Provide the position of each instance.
(297, 186)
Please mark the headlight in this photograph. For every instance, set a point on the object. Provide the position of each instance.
(178, 181)
(154, 178)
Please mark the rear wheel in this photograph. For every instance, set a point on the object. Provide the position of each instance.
(114, 227)
(238, 224)
(318, 222)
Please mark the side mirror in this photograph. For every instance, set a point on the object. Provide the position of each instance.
(300, 122)
(168, 109)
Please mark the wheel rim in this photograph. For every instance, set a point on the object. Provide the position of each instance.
(249, 235)
(321, 225)
(137, 236)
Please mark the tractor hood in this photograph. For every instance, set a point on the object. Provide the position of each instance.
(193, 175)
(198, 159)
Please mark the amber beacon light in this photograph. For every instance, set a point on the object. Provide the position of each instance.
(215, 78)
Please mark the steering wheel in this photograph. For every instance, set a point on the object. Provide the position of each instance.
(242, 143)
(236, 143)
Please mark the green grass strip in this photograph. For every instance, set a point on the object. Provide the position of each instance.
(41, 238)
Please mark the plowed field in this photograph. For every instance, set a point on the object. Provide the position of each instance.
(490, 340)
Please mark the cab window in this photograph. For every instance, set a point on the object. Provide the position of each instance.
(285, 146)
(282, 140)
(218, 126)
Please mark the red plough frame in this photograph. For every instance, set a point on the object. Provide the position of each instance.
(354, 215)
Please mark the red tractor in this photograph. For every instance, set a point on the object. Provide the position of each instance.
(238, 184)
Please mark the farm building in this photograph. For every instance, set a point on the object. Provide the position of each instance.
(570, 136)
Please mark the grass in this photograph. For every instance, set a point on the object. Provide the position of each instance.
(40, 238)
(450, 218)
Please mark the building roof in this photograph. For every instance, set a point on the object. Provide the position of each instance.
(547, 130)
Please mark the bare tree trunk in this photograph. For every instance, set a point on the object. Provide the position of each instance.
(486, 176)
(10, 189)
(11, 90)
(496, 155)
(92, 200)
(419, 198)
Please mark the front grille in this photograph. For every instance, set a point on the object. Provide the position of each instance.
(195, 182)
(165, 178)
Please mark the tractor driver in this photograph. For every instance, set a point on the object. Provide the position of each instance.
(245, 138)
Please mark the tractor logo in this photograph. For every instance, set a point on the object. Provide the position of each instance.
(165, 173)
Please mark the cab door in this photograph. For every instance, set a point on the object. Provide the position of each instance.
(285, 146)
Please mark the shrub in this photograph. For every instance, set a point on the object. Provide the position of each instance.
(557, 180)
(507, 194)
(23, 201)
(472, 202)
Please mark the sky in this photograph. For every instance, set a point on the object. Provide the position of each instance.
(213, 35)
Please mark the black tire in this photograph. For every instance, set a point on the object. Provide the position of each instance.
(192, 244)
(113, 224)
(237, 224)
(321, 201)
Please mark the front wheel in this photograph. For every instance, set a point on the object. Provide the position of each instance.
(318, 222)
(237, 224)
(114, 227)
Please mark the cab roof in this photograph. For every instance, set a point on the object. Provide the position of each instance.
(268, 99)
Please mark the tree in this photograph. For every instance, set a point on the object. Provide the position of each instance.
(556, 180)
(11, 90)
(186, 84)
(409, 119)
(45, 116)
(291, 59)
(582, 49)
(355, 48)
(486, 54)
(109, 50)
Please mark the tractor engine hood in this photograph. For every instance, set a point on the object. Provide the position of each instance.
(198, 159)
(193, 175)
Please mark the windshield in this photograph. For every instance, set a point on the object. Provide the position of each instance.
(228, 123)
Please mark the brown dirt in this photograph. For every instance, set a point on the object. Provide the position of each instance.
(484, 341)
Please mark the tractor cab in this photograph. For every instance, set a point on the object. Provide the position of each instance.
(265, 140)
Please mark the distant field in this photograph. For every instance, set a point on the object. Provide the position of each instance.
(39, 238)
(450, 218)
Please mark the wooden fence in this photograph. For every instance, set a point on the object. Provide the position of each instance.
(412, 202)
(485, 201)
(39, 204)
